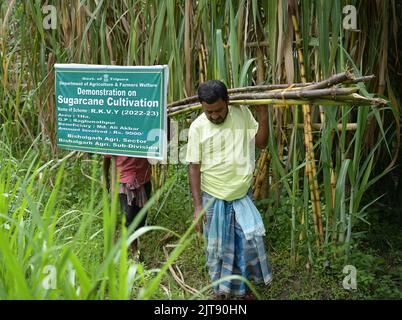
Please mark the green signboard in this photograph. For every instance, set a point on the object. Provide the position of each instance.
(119, 110)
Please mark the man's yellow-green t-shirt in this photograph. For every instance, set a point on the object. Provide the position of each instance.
(225, 151)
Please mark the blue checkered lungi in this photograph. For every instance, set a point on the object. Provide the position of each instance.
(246, 258)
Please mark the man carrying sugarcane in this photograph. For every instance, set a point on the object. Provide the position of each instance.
(220, 153)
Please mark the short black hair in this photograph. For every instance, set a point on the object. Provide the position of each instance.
(211, 91)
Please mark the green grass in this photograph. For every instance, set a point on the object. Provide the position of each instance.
(323, 282)
(141, 32)
(56, 213)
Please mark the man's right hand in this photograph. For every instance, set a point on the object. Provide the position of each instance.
(194, 174)
(197, 212)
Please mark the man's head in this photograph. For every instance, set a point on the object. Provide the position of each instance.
(214, 98)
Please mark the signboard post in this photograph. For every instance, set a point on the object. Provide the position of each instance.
(118, 110)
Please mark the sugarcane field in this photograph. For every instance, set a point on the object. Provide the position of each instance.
(177, 150)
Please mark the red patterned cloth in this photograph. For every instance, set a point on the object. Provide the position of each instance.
(134, 173)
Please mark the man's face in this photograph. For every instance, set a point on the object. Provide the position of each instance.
(216, 112)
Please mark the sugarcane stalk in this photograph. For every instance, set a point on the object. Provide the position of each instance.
(333, 186)
(332, 174)
(201, 73)
(258, 171)
(295, 186)
(188, 10)
(308, 140)
(257, 168)
(262, 192)
(262, 172)
(262, 179)
(333, 80)
(361, 79)
(296, 94)
(322, 114)
(319, 126)
(204, 60)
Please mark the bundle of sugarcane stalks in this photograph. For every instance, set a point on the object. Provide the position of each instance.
(337, 90)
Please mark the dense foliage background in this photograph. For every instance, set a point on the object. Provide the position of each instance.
(55, 213)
